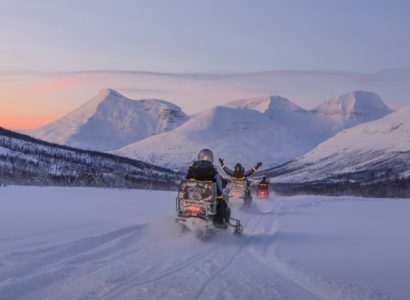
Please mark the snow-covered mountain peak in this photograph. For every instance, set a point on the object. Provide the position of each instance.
(110, 120)
(104, 95)
(353, 108)
(85, 111)
(221, 120)
(221, 112)
(109, 98)
(109, 93)
(236, 134)
(357, 102)
(271, 129)
(267, 104)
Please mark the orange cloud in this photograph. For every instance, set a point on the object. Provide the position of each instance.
(53, 85)
(24, 121)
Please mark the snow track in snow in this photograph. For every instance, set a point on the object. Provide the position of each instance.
(148, 257)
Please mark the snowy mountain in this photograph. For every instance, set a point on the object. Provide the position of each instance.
(110, 121)
(269, 129)
(352, 109)
(333, 115)
(314, 127)
(28, 161)
(377, 151)
(271, 105)
(232, 133)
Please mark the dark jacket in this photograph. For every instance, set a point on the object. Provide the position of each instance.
(205, 171)
(264, 180)
(241, 175)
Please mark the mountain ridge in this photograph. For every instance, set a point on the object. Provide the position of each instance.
(376, 150)
(110, 120)
(271, 129)
(353, 108)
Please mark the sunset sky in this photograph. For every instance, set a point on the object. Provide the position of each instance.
(55, 55)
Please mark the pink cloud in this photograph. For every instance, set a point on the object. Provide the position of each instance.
(53, 85)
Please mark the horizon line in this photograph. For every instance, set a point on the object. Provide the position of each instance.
(221, 73)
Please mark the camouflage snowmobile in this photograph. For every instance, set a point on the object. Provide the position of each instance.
(196, 204)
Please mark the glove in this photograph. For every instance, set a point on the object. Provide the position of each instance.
(221, 161)
(258, 165)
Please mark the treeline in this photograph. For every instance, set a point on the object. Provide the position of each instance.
(28, 161)
(375, 174)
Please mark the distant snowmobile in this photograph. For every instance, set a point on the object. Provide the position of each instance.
(263, 188)
(196, 207)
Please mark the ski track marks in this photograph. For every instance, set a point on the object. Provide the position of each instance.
(136, 262)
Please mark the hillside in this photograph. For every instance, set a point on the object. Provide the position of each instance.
(372, 153)
(28, 161)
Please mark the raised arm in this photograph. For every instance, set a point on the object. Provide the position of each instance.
(225, 168)
(253, 170)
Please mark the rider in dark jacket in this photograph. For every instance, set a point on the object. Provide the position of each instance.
(264, 180)
(204, 170)
(264, 183)
(239, 173)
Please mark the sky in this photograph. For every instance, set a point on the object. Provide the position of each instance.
(55, 55)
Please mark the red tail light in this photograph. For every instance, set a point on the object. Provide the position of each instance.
(263, 193)
(236, 194)
(193, 209)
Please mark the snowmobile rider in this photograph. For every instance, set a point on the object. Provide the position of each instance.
(204, 170)
(264, 180)
(264, 183)
(239, 172)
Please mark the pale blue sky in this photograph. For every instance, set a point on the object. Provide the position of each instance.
(204, 36)
(55, 54)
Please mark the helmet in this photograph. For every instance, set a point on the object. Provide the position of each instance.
(206, 154)
(264, 178)
(238, 167)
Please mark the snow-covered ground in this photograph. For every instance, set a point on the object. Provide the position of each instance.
(61, 243)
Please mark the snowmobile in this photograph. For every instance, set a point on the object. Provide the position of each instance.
(239, 189)
(196, 207)
(263, 190)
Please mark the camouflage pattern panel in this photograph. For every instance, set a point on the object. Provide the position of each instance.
(195, 190)
(238, 189)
